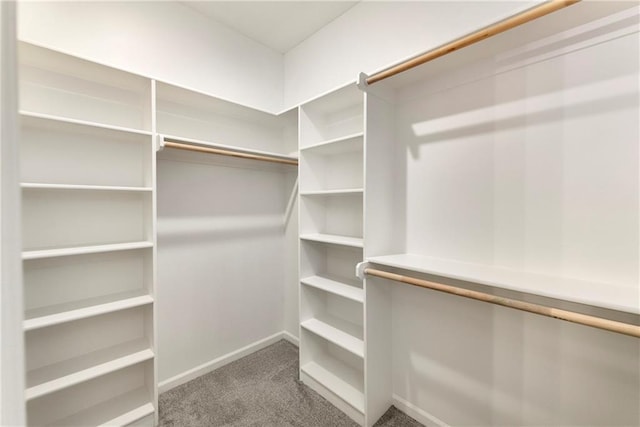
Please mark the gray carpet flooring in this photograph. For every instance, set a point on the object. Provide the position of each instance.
(261, 389)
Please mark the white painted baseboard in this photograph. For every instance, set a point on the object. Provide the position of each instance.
(291, 338)
(205, 368)
(416, 413)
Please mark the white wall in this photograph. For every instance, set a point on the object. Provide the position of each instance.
(529, 161)
(159, 39)
(375, 34)
(221, 251)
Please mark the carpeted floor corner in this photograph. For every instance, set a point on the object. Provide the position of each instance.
(260, 389)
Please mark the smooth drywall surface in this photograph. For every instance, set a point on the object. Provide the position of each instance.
(375, 34)
(528, 161)
(163, 40)
(468, 363)
(221, 251)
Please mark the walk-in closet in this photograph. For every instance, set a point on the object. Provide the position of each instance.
(309, 213)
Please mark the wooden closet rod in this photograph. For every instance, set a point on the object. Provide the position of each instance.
(484, 33)
(569, 316)
(171, 143)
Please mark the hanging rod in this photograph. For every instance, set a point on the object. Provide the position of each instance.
(484, 33)
(569, 316)
(182, 145)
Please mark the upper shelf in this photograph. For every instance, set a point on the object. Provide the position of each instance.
(187, 114)
(343, 144)
(47, 121)
(541, 38)
(53, 83)
(60, 151)
(337, 115)
(626, 299)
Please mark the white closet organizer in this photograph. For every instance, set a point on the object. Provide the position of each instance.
(331, 240)
(235, 213)
(198, 119)
(506, 181)
(492, 200)
(88, 186)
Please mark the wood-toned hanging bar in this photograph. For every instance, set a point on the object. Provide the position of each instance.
(181, 145)
(569, 316)
(482, 34)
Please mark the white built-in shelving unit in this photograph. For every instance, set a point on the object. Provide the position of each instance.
(88, 178)
(491, 208)
(331, 243)
(199, 119)
(424, 189)
(428, 173)
(238, 212)
(88, 216)
(491, 173)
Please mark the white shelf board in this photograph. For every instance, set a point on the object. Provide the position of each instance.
(120, 411)
(77, 67)
(345, 191)
(602, 295)
(29, 118)
(344, 381)
(335, 287)
(355, 242)
(49, 379)
(62, 313)
(40, 186)
(335, 99)
(338, 336)
(81, 250)
(344, 144)
(205, 101)
(209, 144)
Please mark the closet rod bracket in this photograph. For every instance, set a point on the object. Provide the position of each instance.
(159, 142)
(360, 267)
(362, 82)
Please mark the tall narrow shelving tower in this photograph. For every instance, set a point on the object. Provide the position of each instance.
(331, 244)
(88, 197)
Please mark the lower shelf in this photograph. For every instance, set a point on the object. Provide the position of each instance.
(347, 340)
(81, 250)
(58, 376)
(355, 242)
(49, 316)
(341, 287)
(345, 382)
(120, 411)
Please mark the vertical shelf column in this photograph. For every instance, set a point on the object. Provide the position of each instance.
(88, 195)
(383, 231)
(332, 349)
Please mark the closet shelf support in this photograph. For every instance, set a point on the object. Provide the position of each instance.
(569, 316)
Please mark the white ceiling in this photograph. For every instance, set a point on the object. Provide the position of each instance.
(280, 25)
